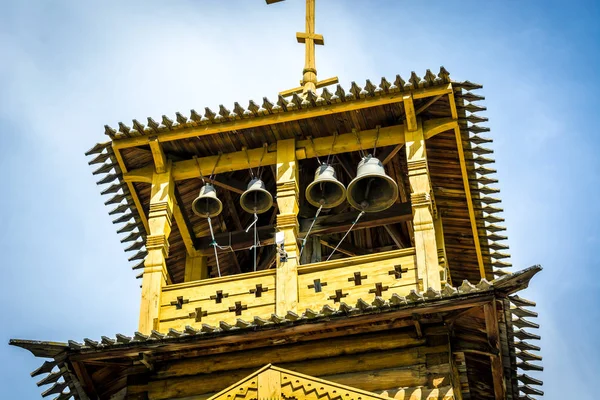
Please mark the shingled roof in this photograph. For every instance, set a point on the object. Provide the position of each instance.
(313, 116)
(516, 349)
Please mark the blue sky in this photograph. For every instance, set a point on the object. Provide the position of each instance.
(69, 67)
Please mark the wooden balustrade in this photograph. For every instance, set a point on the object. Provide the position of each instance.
(253, 294)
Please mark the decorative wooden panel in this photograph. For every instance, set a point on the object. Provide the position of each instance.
(211, 301)
(362, 277)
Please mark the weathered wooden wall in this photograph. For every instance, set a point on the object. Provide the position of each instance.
(397, 363)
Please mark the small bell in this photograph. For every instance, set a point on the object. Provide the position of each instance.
(207, 204)
(325, 190)
(372, 190)
(256, 199)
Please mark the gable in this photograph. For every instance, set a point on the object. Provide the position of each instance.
(271, 382)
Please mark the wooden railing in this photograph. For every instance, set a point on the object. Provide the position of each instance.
(349, 279)
(248, 295)
(219, 299)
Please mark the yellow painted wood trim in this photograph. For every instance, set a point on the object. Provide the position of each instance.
(223, 279)
(160, 160)
(234, 161)
(132, 191)
(143, 175)
(345, 262)
(187, 238)
(282, 117)
(433, 127)
(465, 177)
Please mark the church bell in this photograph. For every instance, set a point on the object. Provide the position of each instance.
(325, 191)
(256, 199)
(207, 204)
(372, 190)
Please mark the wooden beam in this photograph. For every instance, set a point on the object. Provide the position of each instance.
(434, 126)
(344, 248)
(235, 161)
(195, 268)
(491, 327)
(392, 153)
(428, 103)
(160, 160)
(233, 211)
(241, 240)
(84, 377)
(395, 235)
(329, 109)
(184, 226)
(467, 187)
(229, 184)
(337, 223)
(409, 113)
(131, 188)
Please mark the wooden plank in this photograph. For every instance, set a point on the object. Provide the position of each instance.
(405, 365)
(160, 160)
(278, 118)
(491, 327)
(344, 143)
(337, 223)
(371, 342)
(131, 187)
(344, 248)
(467, 188)
(409, 113)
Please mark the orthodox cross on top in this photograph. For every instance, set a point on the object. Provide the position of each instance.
(310, 39)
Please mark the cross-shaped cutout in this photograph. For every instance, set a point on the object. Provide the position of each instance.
(317, 285)
(397, 272)
(357, 279)
(198, 314)
(219, 296)
(180, 302)
(259, 290)
(338, 296)
(238, 308)
(379, 288)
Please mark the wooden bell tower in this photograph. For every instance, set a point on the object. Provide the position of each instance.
(406, 301)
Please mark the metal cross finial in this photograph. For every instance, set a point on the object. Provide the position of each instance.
(310, 39)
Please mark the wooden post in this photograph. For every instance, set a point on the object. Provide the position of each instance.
(491, 327)
(441, 251)
(286, 293)
(422, 205)
(195, 267)
(157, 244)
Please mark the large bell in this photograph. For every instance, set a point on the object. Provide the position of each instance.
(325, 190)
(207, 204)
(372, 190)
(256, 199)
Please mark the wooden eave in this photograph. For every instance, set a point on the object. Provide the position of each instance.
(318, 115)
(458, 309)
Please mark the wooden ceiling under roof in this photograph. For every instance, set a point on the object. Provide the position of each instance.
(315, 116)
